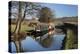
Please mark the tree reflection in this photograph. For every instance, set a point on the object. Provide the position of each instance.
(46, 42)
(17, 38)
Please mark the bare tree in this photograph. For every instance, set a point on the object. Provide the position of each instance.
(23, 10)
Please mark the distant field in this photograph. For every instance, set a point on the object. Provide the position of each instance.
(24, 28)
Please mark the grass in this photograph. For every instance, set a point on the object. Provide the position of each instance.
(24, 28)
(71, 41)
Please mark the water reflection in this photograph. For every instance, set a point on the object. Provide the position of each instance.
(51, 43)
(46, 42)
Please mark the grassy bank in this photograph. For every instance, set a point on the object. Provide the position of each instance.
(24, 28)
(71, 40)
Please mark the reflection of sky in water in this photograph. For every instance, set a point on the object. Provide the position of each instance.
(13, 48)
(30, 44)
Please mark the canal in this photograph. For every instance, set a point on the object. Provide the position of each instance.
(29, 44)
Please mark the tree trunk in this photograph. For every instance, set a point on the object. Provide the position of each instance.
(19, 20)
(18, 46)
(17, 29)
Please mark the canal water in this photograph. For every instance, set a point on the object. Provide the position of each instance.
(29, 44)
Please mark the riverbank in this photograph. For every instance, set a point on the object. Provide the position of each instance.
(70, 41)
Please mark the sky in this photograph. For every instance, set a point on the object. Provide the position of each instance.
(60, 10)
(63, 10)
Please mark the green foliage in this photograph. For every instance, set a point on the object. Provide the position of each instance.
(71, 40)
